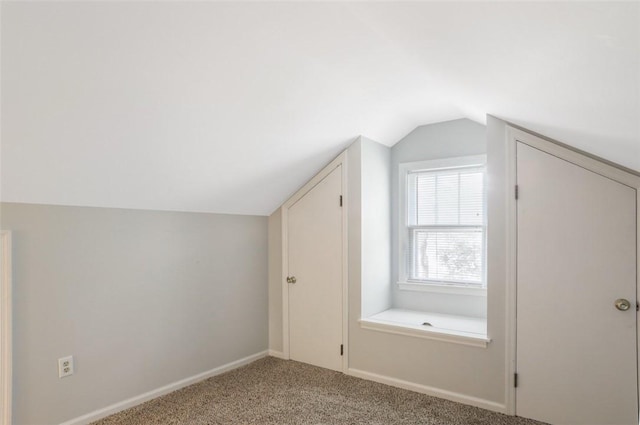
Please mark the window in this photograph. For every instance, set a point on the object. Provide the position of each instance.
(442, 223)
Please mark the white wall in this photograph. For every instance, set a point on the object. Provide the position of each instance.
(435, 141)
(142, 299)
(375, 218)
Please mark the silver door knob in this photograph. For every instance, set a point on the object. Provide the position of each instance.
(291, 279)
(622, 304)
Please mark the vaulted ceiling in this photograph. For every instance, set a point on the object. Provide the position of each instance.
(230, 107)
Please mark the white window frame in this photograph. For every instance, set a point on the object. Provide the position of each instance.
(404, 283)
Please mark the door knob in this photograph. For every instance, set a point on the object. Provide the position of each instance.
(622, 304)
(291, 279)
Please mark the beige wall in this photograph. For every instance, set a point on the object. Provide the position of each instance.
(142, 299)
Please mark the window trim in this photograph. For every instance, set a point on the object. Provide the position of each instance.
(404, 283)
(443, 288)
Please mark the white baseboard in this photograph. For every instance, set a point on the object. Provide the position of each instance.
(424, 389)
(277, 354)
(134, 401)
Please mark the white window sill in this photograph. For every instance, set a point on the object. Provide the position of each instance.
(444, 327)
(442, 289)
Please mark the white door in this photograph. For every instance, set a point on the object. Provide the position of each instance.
(576, 352)
(315, 262)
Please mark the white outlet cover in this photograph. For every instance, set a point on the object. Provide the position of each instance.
(65, 366)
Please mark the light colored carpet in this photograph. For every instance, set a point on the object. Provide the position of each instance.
(272, 391)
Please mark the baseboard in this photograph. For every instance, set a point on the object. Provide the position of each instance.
(277, 354)
(424, 389)
(134, 401)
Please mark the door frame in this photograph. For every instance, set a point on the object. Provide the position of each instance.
(513, 136)
(5, 327)
(340, 160)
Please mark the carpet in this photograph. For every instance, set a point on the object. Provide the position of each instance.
(273, 391)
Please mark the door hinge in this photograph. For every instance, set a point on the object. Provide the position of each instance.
(342, 349)
(637, 306)
(515, 380)
(340, 200)
(517, 191)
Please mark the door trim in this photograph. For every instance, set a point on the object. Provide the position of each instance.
(5, 327)
(340, 160)
(513, 136)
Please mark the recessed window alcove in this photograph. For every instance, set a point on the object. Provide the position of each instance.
(424, 234)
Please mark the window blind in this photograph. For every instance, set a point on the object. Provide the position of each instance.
(446, 225)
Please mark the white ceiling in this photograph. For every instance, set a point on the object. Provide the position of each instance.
(230, 107)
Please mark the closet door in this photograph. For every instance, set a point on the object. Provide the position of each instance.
(576, 269)
(315, 274)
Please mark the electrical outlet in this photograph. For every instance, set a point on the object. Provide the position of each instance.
(65, 366)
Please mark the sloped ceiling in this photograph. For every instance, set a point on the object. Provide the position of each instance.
(230, 107)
